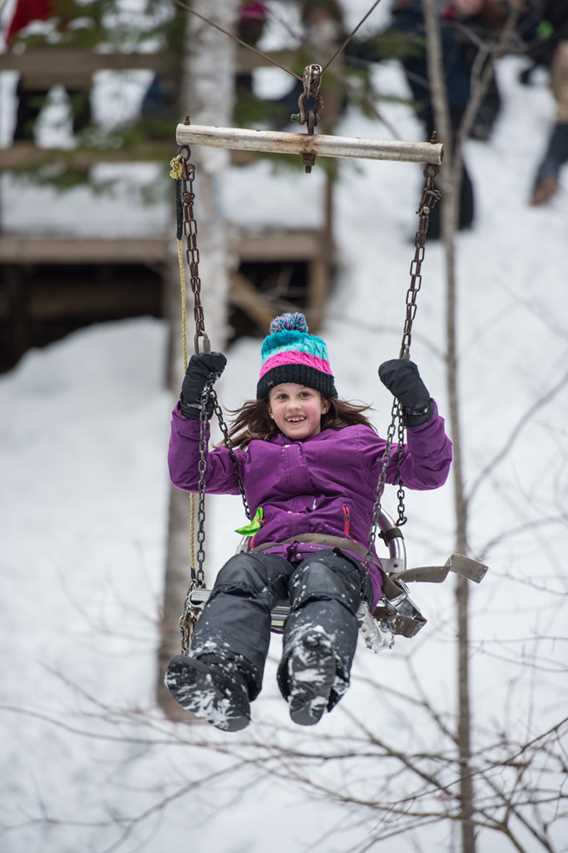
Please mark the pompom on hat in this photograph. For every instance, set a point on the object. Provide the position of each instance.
(290, 354)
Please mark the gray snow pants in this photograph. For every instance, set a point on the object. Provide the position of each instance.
(324, 591)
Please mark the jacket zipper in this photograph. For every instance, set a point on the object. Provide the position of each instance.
(346, 520)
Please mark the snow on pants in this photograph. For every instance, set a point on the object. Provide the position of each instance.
(324, 591)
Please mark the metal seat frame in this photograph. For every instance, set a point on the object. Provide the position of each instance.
(395, 563)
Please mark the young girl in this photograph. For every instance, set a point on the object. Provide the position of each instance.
(311, 462)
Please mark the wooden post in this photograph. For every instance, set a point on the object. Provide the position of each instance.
(19, 312)
(326, 30)
(207, 93)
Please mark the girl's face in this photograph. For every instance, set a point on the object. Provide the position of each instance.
(296, 410)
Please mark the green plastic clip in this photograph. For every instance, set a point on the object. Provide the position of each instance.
(253, 526)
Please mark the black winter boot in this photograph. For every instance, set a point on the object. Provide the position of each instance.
(212, 688)
(311, 677)
(320, 635)
(547, 178)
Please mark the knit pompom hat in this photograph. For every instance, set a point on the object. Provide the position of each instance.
(290, 354)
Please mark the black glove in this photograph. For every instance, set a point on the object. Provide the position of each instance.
(203, 367)
(402, 379)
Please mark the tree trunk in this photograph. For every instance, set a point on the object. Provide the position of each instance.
(450, 179)
(207, 96)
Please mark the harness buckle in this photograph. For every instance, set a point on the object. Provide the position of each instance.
(398, 612)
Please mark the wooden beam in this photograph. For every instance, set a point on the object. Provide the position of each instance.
(98, 299)
(294, 245)
(320, 145)
(72, 63)
(246, 296)
(273, 245)
(80, 250)
(26, 155)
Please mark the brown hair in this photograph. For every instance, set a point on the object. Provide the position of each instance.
(252, 420)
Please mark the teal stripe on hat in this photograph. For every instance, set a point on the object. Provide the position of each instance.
(285, 341)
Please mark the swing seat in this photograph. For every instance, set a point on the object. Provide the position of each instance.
(396, 613)
(395, 563)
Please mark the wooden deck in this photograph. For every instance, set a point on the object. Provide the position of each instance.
(21, 303)
(265, 245)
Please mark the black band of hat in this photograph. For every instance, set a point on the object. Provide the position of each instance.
(301, 374)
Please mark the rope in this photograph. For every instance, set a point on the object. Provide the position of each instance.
(183, 304)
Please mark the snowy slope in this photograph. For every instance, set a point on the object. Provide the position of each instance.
(83, 438)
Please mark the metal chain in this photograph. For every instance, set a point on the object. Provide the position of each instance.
(183, 171)
(395, 417)
(429, 198)
(232, 455)
(192, 250)
(190, 614)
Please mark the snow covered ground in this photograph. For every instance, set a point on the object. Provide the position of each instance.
(84, 488)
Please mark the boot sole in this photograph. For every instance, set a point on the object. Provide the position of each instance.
(312, 682)
(544, 191)
(192, 686)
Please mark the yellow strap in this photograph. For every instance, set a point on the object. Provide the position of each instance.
(183, 303)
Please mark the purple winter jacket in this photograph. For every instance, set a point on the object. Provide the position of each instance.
(324, 484)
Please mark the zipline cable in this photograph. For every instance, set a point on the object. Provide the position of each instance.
(265, 56)
(350, 36)
(231, 35)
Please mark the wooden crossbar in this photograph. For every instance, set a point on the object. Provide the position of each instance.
(322, 145)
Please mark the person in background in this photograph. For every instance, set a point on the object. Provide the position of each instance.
(550, 49)
(482, 18)
(33, 88)
(408, 20)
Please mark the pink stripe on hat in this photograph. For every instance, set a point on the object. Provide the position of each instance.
(295, 357)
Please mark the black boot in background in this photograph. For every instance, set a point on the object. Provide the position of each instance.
(488, 112)
(547, 178)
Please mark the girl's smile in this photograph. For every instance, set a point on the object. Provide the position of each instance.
(297, 410)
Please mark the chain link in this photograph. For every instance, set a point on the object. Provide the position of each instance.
(233, 456)
(183, 171)
(429, 198)
(395, 415)
(192, 251)
(190, 613)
